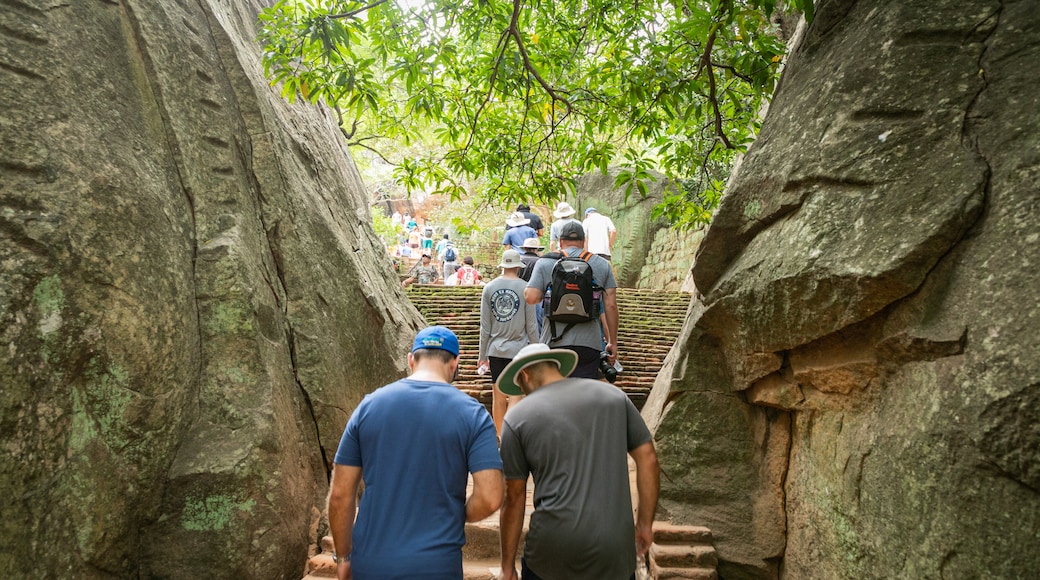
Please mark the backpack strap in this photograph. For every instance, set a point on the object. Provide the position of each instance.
(552, 327)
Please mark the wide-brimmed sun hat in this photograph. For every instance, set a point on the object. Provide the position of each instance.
(534, 354)
(517, 219)
(532, 244)
(511, 259)
(563, 210)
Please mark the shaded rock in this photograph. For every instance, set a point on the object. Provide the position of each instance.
(880, 242)
(188, 304)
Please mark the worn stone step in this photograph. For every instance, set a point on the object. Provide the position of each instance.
(320, 566)
(480, 569)
(685, 573)
(683, 556)
(669, 533)
(483, 540)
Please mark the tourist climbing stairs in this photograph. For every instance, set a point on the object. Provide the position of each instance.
(650, 323)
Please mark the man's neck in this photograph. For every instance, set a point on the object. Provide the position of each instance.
(546, 378)
(431, 372)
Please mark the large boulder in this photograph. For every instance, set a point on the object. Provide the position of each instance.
(856, 394)
(191, 301)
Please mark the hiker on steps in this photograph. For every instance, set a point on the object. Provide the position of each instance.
(595, 331)
(572, 435)
(424, 272)
(507, 324)
(413, 442)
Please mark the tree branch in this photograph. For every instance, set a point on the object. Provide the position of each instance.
(733, 70)
(712, 98)
(354, 13)
(514, 31)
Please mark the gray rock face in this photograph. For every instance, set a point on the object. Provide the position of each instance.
(632, 217)
(189, 307)
(861, 375)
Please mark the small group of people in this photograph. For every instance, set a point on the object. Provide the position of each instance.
(425, 272)
(600, 232)
(414, 442)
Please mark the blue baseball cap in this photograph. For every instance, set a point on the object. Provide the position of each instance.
(437, 337)
(588, 211)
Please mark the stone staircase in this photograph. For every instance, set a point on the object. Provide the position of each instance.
(650, 323)
(678, 552)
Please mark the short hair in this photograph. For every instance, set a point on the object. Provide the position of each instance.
(468, 260)
(433, 353)
(445, 236)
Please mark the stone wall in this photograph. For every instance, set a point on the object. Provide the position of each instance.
(632, 217)
(188, 311)
(856, 393)
(669, 261)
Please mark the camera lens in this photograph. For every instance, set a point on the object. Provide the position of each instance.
(608, 370)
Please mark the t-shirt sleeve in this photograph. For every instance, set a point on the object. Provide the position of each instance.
(638, 433)
(540, 274)
(483, 449)
(349, 450)
(513, 459)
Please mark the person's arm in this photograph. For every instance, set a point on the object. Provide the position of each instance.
(485, 329)
(486, 496)
(648, 485)
(533, 295)
(499, 402)
(531, 316)
(613, 236)
(611, 310)
(342, 509)
(511, 524)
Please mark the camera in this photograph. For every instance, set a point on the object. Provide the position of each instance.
(608, 370)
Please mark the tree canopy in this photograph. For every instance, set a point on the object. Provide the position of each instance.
(524, 96)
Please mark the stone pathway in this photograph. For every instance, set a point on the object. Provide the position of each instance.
(678, 552)
(650, 323)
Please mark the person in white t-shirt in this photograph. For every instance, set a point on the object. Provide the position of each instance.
(600, 233)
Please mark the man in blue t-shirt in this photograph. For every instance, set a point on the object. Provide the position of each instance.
(413, 442)
(517, 231)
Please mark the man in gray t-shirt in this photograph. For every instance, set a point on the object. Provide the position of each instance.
(507, 324)
(572, 435)
(587, 339)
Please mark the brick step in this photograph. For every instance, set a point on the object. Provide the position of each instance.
(650, 322)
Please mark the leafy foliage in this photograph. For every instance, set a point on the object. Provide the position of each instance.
(523, 96)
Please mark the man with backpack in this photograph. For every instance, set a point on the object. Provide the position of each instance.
(582, 313)
(448, 256)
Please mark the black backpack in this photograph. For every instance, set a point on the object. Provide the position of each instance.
(573, 296)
